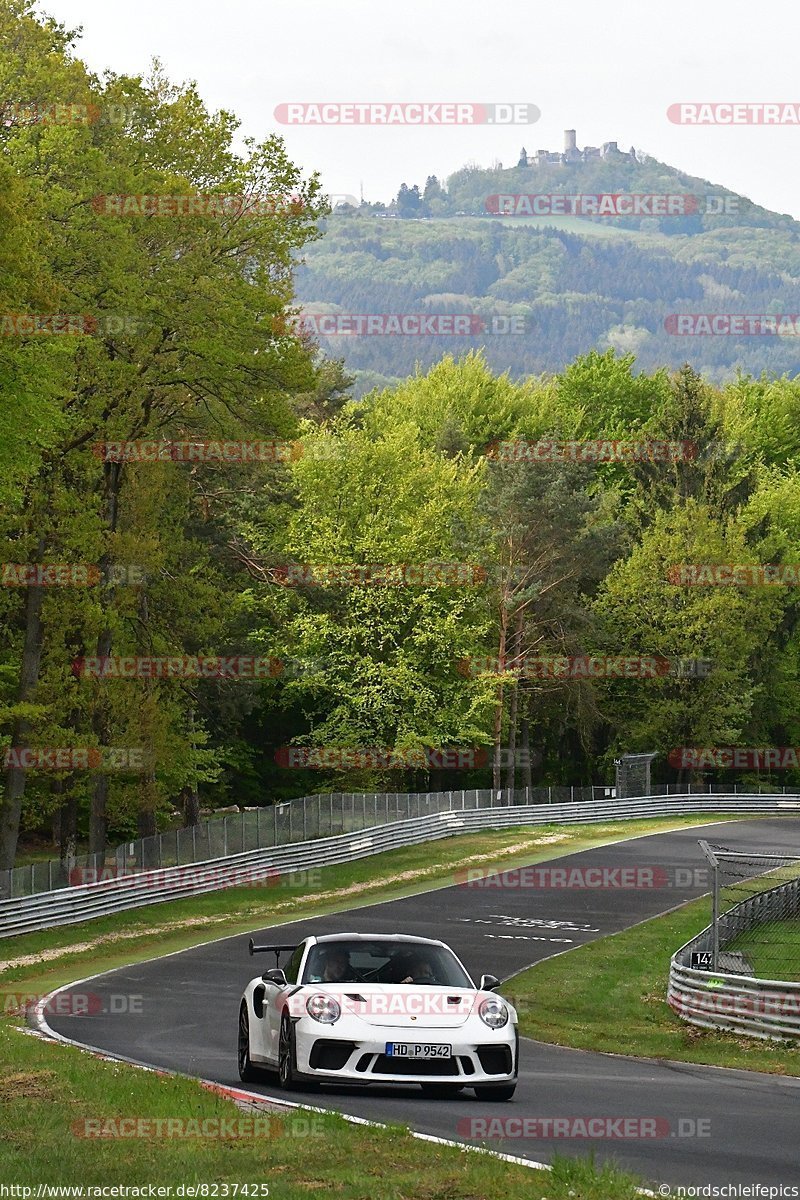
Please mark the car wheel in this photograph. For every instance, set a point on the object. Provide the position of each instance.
(492, 1092)
(442, 1091)
(288, 1076)
(247, 1072)
(286, 1057)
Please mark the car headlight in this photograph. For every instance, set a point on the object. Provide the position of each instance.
(493, 1012)
(324, 1009)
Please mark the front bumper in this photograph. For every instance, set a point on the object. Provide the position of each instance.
(352, 1052)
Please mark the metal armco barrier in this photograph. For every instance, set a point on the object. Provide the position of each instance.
(70, 905)
(743, 1004)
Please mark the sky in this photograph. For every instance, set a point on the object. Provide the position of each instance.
(610, 71)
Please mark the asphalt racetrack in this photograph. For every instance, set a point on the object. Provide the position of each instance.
(190, 1001)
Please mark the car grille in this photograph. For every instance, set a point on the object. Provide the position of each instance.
(386, 1064)
(495, 1060)
(329, 1055)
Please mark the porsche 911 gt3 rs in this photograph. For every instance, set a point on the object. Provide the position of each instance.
(359, 1009)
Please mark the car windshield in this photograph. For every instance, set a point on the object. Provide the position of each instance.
(385, 962)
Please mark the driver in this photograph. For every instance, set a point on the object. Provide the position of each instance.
(337, 966)
(420, 970)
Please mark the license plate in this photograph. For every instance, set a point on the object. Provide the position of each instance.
(418, 1050)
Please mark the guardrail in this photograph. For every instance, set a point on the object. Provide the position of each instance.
(299, 820)
(70, 905)
(743, 1004)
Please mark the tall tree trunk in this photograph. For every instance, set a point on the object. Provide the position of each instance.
(498, 709)
(148, 795)
(190, 796)
(65, 822)
(98, 821)
(190, 805)
(511, 770)
(11, 809)
(525, 746)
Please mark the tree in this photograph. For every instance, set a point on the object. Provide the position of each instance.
(198, 353)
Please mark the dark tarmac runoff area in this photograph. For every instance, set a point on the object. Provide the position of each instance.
(186, 1020)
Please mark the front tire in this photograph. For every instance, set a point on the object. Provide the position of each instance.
(287, 1062)
(490, 1092)
(248, 1073)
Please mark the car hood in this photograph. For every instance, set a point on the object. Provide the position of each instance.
(415, 1005)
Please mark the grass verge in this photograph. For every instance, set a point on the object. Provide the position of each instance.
(772, 950)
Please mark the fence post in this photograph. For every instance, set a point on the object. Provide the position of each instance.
(712, 858)
(275, 820)
(549, 795)
(258, 827)
(305, 829)
(225, 836)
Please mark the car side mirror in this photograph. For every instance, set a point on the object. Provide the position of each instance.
(275, 975)
(489, 983)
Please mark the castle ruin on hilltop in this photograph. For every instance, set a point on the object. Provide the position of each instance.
(571, 154)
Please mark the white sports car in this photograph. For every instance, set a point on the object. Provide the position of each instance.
(357, 1009)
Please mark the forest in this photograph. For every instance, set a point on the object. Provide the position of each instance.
(232, 576)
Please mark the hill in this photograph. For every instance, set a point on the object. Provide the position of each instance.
(572, 283)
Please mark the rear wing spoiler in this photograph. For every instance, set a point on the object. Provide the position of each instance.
(254, 949)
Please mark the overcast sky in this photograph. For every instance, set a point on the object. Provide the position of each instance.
(608, 70)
